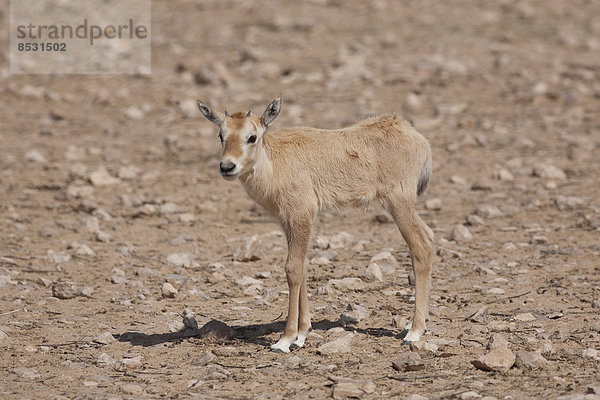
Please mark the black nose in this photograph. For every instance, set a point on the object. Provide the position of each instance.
(226, 166)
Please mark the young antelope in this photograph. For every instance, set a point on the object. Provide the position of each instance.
(296, 172)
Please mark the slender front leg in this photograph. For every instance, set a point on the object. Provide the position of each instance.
(297, 233)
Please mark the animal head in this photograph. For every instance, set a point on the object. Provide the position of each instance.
(241, 136)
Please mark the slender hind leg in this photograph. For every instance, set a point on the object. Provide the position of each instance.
(419, 238)
(297, 233)
(304, 326)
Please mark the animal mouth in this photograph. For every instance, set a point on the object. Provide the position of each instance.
(230, 175)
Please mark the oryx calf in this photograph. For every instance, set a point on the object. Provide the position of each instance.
(295, 172)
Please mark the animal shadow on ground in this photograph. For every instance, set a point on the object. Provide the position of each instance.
(249, 333)
(143, 339)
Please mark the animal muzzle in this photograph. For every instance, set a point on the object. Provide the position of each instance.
(227, 168)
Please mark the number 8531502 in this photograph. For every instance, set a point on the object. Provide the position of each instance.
(42, 46)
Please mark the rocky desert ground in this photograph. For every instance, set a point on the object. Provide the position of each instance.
(115, 222)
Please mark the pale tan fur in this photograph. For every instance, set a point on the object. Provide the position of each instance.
(296, 172)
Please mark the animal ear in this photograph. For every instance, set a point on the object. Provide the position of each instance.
(271, 112)
(210, 114)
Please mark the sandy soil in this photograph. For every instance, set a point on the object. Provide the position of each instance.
(109, 188)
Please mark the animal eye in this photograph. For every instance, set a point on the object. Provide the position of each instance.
(221, 137)
(252, 139)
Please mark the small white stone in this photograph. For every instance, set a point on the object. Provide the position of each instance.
(540, 89)
(497, 341)
(504, 175)
(90, 223)
(352, 389)
(253, 290)
(176, 326)
(247, 281)
(501, 359)
(408, 361)
(292, 361)
(35, 156)
(489, 211)
(470, 395)
(176, 280)
(399, 321)
(531, 360)
(475, 220)
(134, 113)
(102, 236)
(129, 363)
(102, 213)
(424, 347)
(189, 319)
(510, 246)
(85, 291)
(168, 291)
(131, 389)
(322, 242)
(101, 177)
(458, 180)
(324, 290)
(180, 259)
(348, 284)
(496, 291)
(373, 272)
(461, 234)
(146, 209)
(413, 102)
(104, 338)
(169, 208)
(64, 290)
(30, 348)
(433, 204)
(342, 240)
(78, 171)
(84, 250)
(547, 171)
(386, 262)
(415, 396)
(354, 314)
(129, 172)
(251, 250)
(320, 260)
(186, 218)
(58, 257)
(591, 353)
(525, 317)
(342, 344)
(569, 203)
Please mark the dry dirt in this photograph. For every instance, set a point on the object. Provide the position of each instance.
(110, 184)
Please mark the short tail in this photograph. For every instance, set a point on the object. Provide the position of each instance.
(425, 176)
